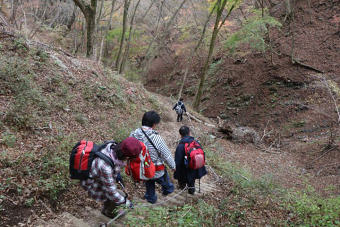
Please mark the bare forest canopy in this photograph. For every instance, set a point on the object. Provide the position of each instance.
(128, 35)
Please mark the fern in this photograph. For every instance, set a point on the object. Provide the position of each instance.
(253, 32)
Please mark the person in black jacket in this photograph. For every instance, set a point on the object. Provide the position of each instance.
(183, 174)
(179, 107)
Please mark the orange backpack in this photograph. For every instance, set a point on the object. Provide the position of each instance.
(142, 167)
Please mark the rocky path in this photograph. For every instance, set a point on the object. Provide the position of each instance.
(169, 131)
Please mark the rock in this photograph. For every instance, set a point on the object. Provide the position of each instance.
(245, 134)
(226, 130)
(59, 62)
(224, 116)
(238, 133)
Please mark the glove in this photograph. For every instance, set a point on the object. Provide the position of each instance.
(120, 179)
(128, 204)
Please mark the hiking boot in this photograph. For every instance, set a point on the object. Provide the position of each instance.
(167, 193)
(109, 213)
(109, 209)
(191, 192)
(181, 185)
(116, 213)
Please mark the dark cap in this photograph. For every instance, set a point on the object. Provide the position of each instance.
(131, 147)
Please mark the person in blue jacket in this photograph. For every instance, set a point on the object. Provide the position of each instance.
(185, 175)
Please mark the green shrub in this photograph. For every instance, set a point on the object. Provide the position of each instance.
(81, 119)
(155, 105)
(253, 32)
(313, 210)
(213, 68)
(111, 95)
(29, 202)
(200, 214)
(298, 124)
(121, 130)
(20, 44)
(30, 104)
(54, 167)
(132, 75)
(8, 139)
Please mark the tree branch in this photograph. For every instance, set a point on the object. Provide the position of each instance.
(225, 18)
(81, 4)
(297, 62)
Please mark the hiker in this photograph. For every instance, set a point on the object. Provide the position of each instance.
(101, 184)
(159, 153)
(179, 108)
(185, 175)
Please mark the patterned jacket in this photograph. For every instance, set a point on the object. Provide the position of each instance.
(158, 157)
(101, 185)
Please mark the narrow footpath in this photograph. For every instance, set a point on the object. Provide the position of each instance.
(168, 129)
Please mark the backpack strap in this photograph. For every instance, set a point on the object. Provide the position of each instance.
(109, 161)
(159, 154)
(105, 158)
(101, 147)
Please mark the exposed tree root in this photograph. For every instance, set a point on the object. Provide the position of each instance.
(297, 62)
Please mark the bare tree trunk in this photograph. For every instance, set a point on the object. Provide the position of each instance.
(12, 19)
(83, 35)
(3, 8)
(90, 28)
(108, 27)
(219, 10)
(96, 54)
(89, 12)
(101, 49)
(156, 30)
(292, 30)
(100, 13)
(111, 15)
(189, 64)
(147, 11)
(72, 19)
(122, 38)
(127, 49)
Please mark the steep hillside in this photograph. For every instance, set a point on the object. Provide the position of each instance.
(49, 101)
(295, 102)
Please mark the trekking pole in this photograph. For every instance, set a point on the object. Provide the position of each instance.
(186, 196)
(199, 185)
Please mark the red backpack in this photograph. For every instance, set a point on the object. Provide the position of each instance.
(142, 167)
(194, 155)
(82, 156)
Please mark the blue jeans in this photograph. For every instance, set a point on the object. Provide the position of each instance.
(164, 181)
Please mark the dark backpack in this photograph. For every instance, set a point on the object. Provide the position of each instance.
(82, 156)
(194, 155)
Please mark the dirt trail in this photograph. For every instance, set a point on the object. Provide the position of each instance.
(169, 131)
